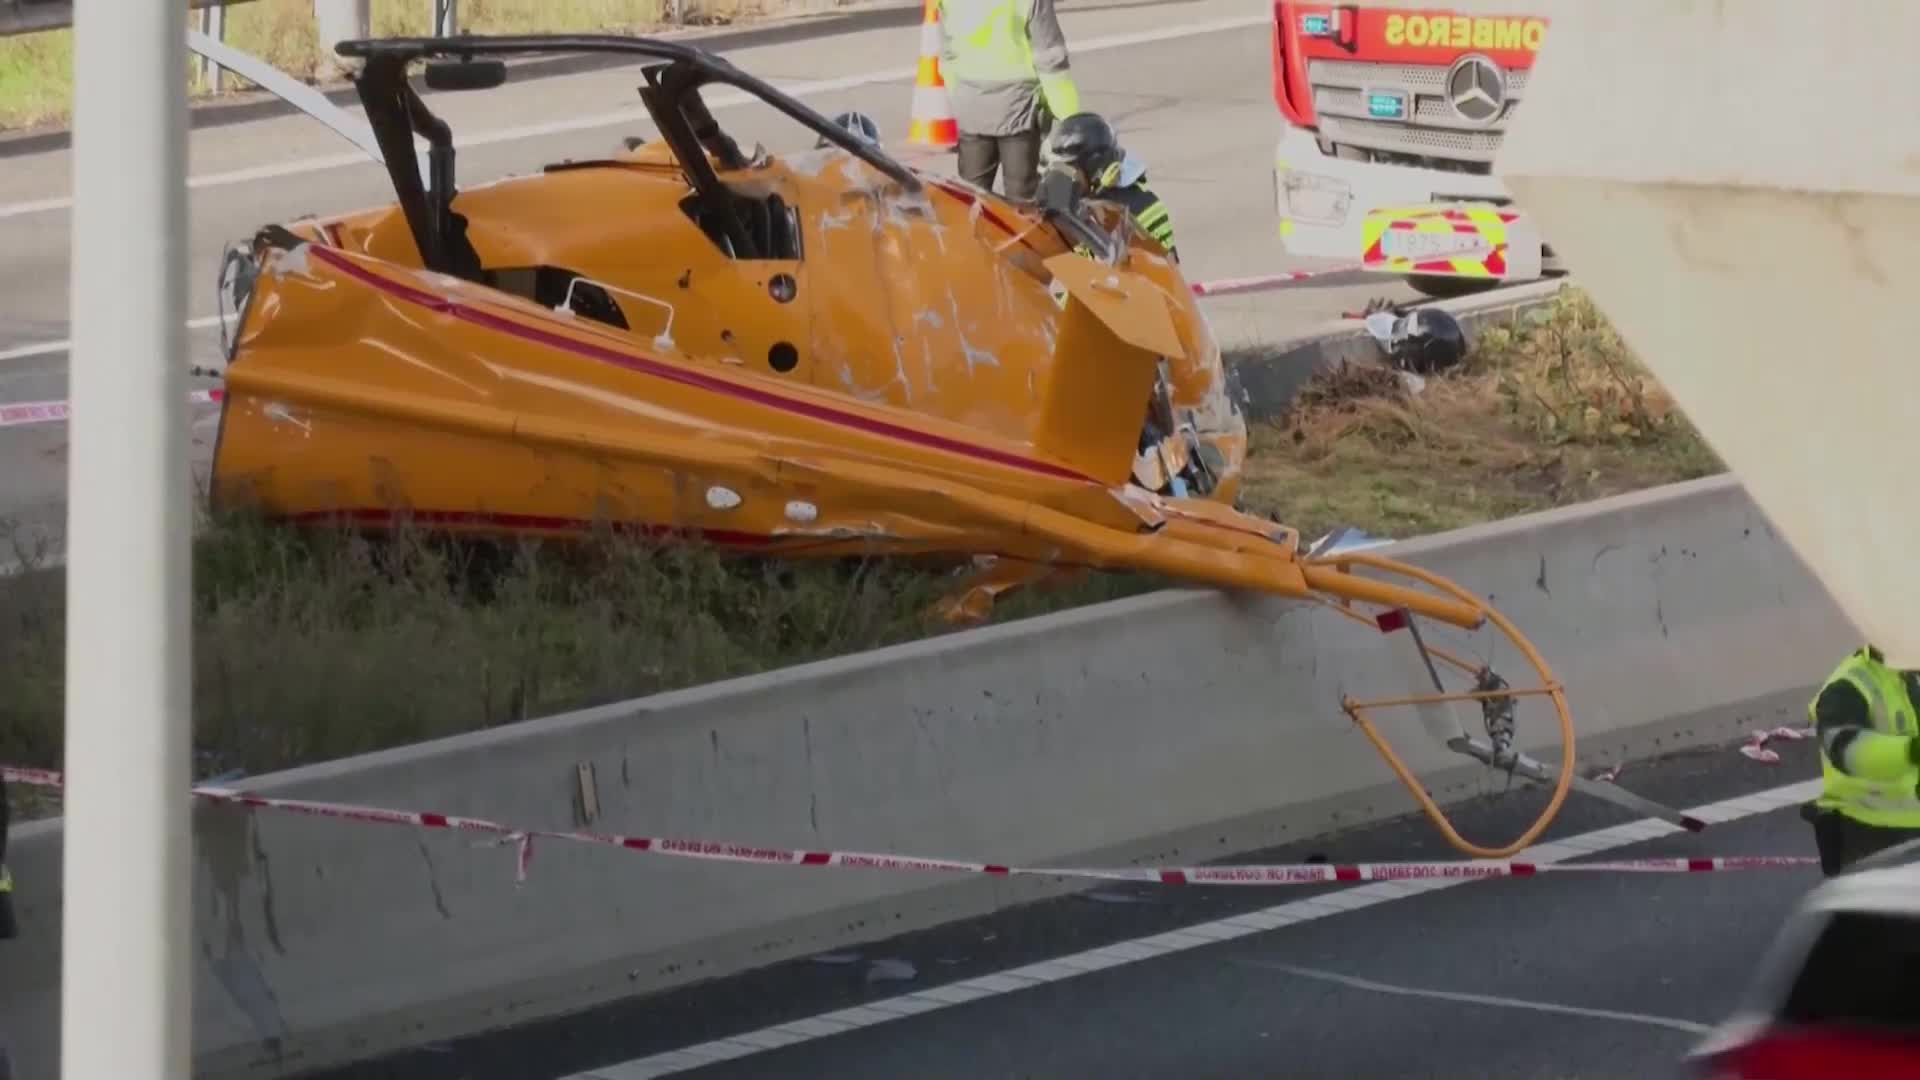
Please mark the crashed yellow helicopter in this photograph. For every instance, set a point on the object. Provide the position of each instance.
(802, 355)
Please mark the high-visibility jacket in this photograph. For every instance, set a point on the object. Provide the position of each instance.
(1865, 721)
(1002, 61)
(1148, 212)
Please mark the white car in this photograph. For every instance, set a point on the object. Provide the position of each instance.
(1837, 996)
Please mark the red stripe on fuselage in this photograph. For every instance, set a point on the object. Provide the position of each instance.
(674, 373)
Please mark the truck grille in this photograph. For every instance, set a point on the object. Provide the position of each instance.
(1432, 130)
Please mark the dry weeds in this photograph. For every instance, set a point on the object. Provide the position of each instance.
(1551, 410)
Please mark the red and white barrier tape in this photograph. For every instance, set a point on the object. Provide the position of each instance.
(1278, 874)
(30, 777)
(1756, 745)
(1264, 282)
(29, 413)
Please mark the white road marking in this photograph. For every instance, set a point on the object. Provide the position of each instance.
(1688, 1026)
(1181, 940)
(636, 114)
(48, 348)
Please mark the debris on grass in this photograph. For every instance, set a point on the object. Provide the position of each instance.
(1550, 410)
(1344, 388)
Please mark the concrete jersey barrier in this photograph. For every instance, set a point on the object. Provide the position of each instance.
(1183, 725)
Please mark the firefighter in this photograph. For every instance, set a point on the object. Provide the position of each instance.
(1863, 717)
(1006, 68)
(1086, 143)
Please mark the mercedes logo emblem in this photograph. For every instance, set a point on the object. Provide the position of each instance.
(1476, 88)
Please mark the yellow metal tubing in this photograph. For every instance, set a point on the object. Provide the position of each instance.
(1549, 687)
(1468, 613)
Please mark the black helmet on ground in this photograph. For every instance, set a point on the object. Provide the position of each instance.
(1086, 141)
(1426, 340)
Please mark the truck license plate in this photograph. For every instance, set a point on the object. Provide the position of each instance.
(1421, 247)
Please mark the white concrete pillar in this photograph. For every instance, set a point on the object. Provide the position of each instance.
(1738, 187)
(126, 935)
(1749, 228)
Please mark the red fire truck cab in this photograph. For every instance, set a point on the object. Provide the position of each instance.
(1392, 120)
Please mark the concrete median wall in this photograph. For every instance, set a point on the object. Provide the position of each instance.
(1181, 725)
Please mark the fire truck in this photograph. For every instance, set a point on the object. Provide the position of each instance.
(1392, 120)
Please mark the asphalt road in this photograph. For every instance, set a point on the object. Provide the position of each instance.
(1198, 108)
(1558, 976)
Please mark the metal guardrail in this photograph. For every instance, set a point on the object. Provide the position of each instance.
(35, 16)
(445, 15)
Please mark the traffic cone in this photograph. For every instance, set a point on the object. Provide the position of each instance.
(933, 123)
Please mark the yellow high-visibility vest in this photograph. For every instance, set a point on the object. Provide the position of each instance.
(991, 45)
(1892, 798)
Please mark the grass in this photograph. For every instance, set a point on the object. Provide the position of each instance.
(316, 645)
(1551, 411)
(36, 70)
(310, 646)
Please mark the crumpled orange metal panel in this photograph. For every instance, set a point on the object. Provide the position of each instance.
(362, 387)
(921, 311)
(934, 302)
(369, 389)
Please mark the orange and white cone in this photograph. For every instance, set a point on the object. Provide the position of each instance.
(933, 123)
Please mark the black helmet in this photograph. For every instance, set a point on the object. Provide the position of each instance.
(859, 123)
(1088, 142)
(1426, 340)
